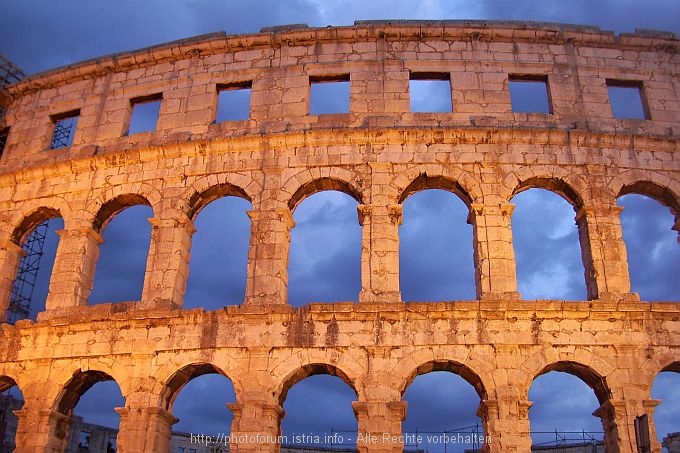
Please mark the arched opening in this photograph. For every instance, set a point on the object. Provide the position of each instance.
(325, 250)
(11, 399)
(126, 232)
(666, 389)
(89, 400)
(565, 396)
(442, 412)
(317, 402)
(219, 254)
(38, 238)
(652, 247)
(547, 247)
(436, 248)
(198, 396)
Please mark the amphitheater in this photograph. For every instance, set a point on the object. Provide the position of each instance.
(379, 152)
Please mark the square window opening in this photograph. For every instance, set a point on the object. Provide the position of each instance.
(64, 129)
(530, 94)
(84, 440)
(329, 94)
(145, 112)
(430, 92)
(233, 102)
(627, 99)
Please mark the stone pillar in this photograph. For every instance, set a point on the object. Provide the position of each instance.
(10, 256)
(380, 252)
(495, 270)
(380, 426)
(256, 426)
(144, 429)
(267, 282)
(617, 437)
(506, 425)
(167, 267)
(604, 253)
(41, 431)
(73, 270)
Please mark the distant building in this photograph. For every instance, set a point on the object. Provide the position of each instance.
(672, 442)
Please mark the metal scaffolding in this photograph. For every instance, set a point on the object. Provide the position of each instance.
(9, 72)
(24, 284)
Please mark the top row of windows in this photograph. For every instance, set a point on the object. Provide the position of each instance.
(429, 92)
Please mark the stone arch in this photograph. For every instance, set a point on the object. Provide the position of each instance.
(424, 182)
(664, 194)
(7, 382)
(77, 385)
(454, 180)
(209, 188)
(673, 366)
(471, 376)
(175, 383)
(199, 200)
(104, 204)
(311, 369)
(321, 185)
(661, 187)
(587, 374)
(108, 210)
(301, 184)
(32, 220)
(556, 185)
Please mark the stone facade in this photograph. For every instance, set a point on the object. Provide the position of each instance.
(379, 153)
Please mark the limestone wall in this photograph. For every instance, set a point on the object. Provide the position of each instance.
(379, 153)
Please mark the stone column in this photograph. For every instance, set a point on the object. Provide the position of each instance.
(604, 253)
(73, 270)
(39, 430)
(380, 252)
(267, 282)
(256, 426)
(144, 429)
(10, 256)
(617, 437)
(506, 425)
(495, 270)
(167, 267)
(380, 426)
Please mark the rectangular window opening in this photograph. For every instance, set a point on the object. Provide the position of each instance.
(112, 445)
(329, 94)
(627, 99)
(430, 92)
(4, 135)
(233, 102)
(145, 112)
(529, 93)
(84, 440)
(64, 129)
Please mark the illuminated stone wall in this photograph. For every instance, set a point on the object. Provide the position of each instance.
(378, 153)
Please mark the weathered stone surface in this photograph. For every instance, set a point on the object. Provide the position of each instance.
(379, 153)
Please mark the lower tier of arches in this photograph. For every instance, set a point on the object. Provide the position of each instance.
(378, 350)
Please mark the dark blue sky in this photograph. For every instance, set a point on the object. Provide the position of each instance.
(436, 242)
